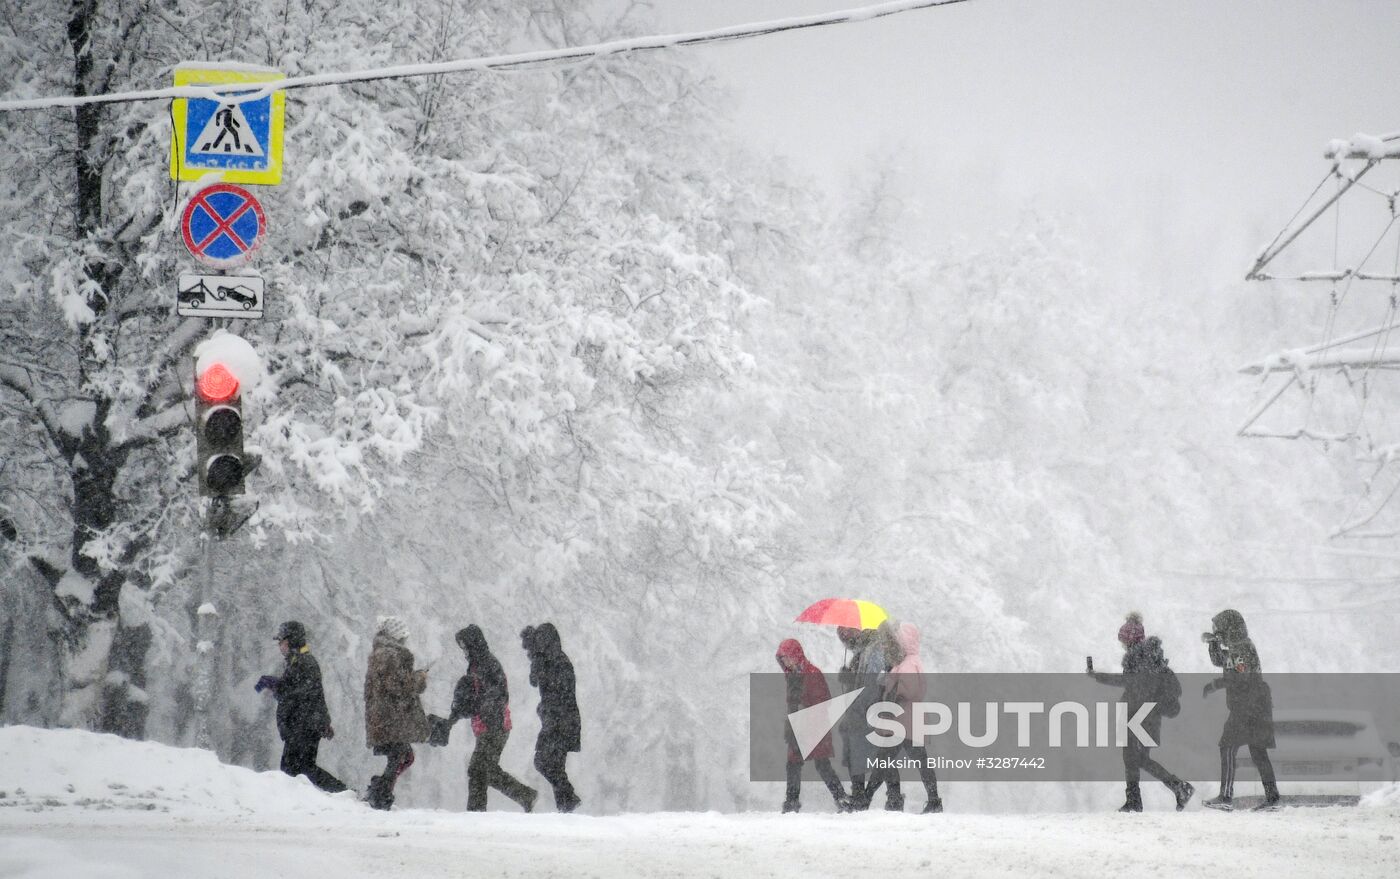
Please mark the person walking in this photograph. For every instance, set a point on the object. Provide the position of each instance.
(1251, 705)
(1146, 677)
(560, 725)
(868, 661)
(905, 685)
(394, 717)
(302, 716)
(806, 686)
(482, 695)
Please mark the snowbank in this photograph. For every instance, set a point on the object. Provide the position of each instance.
(77, 805)
(1386, 798)
(51, 768)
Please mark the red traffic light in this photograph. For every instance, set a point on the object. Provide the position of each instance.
(217, 384)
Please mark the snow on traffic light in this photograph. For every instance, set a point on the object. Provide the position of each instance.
(219, 430)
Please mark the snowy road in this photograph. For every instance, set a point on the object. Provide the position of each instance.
(74, 805)
(77, 844)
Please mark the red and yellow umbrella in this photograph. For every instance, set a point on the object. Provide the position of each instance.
(853, 613)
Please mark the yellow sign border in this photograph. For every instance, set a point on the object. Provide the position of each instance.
(272, 175)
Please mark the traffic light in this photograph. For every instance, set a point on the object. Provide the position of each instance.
(219, 429)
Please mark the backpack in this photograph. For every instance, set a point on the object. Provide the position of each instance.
(1169, 693)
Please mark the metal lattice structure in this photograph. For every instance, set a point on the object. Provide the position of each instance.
(1349, 359)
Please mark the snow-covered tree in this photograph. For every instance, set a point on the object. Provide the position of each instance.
(495, 261)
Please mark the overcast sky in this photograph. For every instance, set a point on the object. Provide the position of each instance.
(1199, 121)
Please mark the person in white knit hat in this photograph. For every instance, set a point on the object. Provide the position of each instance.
(394, 716)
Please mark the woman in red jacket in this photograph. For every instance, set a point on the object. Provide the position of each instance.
(806, 687)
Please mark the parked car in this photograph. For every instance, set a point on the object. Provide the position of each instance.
(1325, 758)
(240, 294)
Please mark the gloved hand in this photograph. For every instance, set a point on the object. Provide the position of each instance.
(439, 730)
(1209, 688)
(267, 682)
(330, 731)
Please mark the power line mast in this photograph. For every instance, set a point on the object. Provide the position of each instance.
(1365, 261)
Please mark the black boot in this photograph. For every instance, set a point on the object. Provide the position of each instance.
(791, 806)
(860, 797)
(1133, 801)
(1271, 799)
(379, 795)
(933, 806)
(1184, 791)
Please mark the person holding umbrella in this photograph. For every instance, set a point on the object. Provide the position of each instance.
(856, 621)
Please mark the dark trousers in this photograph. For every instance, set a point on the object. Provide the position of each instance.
(891, 776)
(828, 775)
(299, 758)
(1137, 758)
(549, 760)
(399, 756)
(1260, 756)
(484, 770)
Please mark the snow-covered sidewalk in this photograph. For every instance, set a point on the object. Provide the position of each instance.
(79, 806)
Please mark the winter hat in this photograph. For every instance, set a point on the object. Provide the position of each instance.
(393, 627)
(1131, 632)
(293, 632)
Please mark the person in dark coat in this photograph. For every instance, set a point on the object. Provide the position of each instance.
(560, 724)
(806, 686)
(1251, 705)
(482, 695)
(394, 717)
(868, 661)
(302, 716)
(1146, 677)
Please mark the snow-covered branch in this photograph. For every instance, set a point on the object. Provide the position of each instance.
(19, 380)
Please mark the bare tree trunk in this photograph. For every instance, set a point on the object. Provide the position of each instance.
(104, 663)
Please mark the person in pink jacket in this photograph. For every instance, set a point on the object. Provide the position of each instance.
(905, 685)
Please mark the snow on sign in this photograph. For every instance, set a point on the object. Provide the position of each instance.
(219, 296)
(240, 139)
(223, 225)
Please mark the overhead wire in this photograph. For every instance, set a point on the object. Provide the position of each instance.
(1298, 213)
(243, 92)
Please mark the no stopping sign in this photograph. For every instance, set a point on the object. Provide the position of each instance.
(223, 225)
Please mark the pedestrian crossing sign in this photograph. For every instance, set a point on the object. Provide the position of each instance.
(241, 139)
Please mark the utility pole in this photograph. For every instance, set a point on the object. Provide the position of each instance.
(207, 624)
